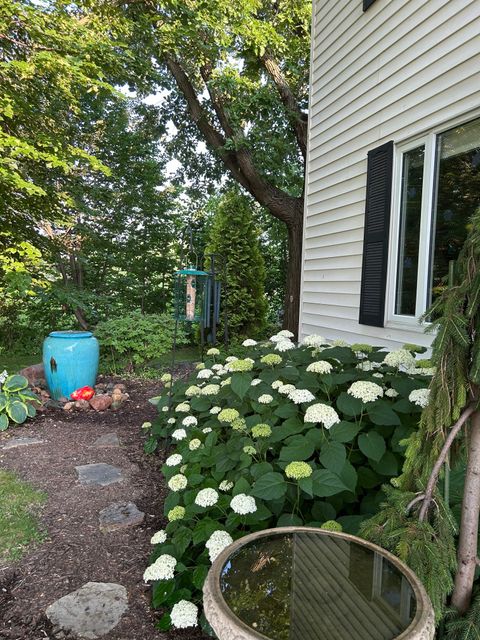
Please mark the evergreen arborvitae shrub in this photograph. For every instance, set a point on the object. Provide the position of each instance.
(235, 237)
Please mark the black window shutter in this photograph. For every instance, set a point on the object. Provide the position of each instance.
(375, 239)
(367, 3)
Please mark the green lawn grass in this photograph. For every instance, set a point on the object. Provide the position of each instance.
(13, 362)
(18, 522)
(184, 354)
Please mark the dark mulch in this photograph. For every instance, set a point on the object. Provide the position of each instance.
(75, 551)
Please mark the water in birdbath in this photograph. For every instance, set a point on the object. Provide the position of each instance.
(309, 586)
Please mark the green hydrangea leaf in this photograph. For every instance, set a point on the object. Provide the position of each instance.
(270, 486)
(326, 483)
(372, 445)
(333, 456)
(241, 384)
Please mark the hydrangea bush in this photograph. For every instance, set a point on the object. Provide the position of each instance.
(285, 435)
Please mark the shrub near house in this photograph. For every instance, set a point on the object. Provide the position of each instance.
(284, 436)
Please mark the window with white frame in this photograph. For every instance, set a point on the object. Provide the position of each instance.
(438, 190)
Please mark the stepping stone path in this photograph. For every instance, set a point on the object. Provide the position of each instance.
(21, 442)
(120, 515)
(107, 440)
(99, 474)
(91, 611)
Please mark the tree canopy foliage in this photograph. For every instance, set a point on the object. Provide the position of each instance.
(235, 75)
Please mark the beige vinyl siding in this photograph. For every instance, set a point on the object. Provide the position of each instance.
(393, 72)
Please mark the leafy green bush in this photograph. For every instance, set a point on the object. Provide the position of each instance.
(135, 338)
(16, 400)
(290, 436)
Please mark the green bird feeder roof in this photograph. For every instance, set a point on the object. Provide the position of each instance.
(190, 272)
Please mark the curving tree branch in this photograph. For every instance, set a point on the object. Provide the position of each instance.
(297, 117)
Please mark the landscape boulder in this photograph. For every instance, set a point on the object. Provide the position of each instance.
(101, 402)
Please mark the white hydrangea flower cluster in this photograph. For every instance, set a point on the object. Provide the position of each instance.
(367, 365)
(422, 371)
(231, 358)
(249, 343)
(173, 460)
(298, 396)
(320, 366)
(165, 409)
(377, 375)
(190, 421)
(313, 340)
(255, 382)
(206, 497)
(265, 398)
(420, 397)
(240, 365)
(218, 541)
(177, 482)
(179, 434)
(225, 382)
(225, 485)
(183, 407)
(207, 430)
(3, 376)
(192, 391)
(285, 389)
(171, 421)
(210, 390)
(243, 504)
(322, 414)
(213, 352)
(217, 367)
(215, 410)
(204, 374)
(159, 537)
(284, 333)
(399, 358)
(276, 384)
(284, 345)
(339, 343)
(162, 569)
(365, 391)
(194, 444)
(184, 614)
(391, 393)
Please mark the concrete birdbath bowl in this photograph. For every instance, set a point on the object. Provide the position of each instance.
(301, 583)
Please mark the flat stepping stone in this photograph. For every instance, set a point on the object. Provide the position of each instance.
(107, 440)
(91, 611)
(99, 474)
(120, 515)
(21, 442)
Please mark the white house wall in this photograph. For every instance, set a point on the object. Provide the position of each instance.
(390, 73)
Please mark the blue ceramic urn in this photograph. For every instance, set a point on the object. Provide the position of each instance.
(70, 359)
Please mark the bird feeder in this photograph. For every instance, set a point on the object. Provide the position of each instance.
(189, 294)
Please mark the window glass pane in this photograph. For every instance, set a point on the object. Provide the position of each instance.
(410, 214)
(457, 197)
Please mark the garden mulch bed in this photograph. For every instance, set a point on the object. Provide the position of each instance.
(75, 550)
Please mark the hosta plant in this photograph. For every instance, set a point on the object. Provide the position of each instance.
(17, 401)
(284, 435)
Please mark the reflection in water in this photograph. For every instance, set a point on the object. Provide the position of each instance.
(309, 586)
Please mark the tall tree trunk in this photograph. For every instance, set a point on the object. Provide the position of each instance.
(468, 541)
(294, 270)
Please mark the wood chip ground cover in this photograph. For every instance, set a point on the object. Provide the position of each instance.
(75, 551)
